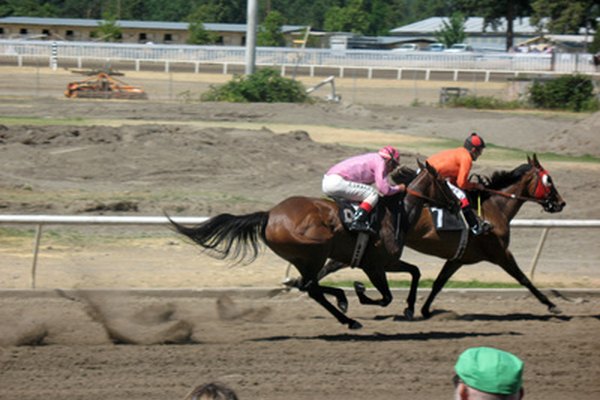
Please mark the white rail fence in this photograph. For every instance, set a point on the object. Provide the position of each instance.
(231, 59)
(40, 220)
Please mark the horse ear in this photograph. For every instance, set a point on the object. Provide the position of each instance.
(420, 164)
(431, 169)
(535, 161)
(528, 160)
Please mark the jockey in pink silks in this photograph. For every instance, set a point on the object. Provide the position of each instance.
(363, 178)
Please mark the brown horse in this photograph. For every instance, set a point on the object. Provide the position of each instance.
(307, 231)
(504, 195)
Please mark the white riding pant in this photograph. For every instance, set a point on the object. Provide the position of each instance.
(460, 195)
(336, 186)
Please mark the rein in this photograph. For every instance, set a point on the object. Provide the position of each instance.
(514, 196)
(422, 196)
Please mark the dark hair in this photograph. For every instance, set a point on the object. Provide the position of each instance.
(212, 391)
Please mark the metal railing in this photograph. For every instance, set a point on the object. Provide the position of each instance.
(18, 52)
(41, 220)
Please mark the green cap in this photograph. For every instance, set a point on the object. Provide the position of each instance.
(490, 370)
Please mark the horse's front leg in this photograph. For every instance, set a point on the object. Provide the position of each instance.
(449, 268)
(415, 274)
(509, 264)
(379, 280)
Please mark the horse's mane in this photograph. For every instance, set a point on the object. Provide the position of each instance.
(498, 180)
(503, 179)
(403, 174)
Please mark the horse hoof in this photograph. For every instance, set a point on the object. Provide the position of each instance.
(292, 283)
(426, 314)
(343, 306)
(555, 310)
(409, 314)
(359, 287)
(354, 325)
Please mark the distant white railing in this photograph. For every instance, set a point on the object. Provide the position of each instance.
(41, 220)
(173, 57)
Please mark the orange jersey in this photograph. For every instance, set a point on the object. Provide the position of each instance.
(453, 164)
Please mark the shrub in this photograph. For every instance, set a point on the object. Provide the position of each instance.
(484, 102)
(568, 92)
(264, 86)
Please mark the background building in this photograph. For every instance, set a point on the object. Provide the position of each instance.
(72, 29)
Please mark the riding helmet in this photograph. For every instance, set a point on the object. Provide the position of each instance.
(390, 153)
(474, 141)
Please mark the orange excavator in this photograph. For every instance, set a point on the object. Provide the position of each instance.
(104, 86)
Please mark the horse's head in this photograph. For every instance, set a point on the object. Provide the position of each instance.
(541, 187)
(433, 188)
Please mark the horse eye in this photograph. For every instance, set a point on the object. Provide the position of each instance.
(546, 180)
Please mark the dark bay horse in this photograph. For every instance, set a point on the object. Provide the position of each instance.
(308, 231)
(502, 199)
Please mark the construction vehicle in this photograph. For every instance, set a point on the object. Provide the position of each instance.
(103, 86)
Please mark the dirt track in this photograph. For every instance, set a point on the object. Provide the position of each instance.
(202, 159)
(285, 346)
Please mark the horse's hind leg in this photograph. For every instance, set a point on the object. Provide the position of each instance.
(449, 268)
(309, 268)
(316, 292)
(510, 265)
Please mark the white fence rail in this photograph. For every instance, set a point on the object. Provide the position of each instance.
(41, 220)
(178, 57)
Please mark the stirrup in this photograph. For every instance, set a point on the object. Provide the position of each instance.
(361, 226)
(481, 228)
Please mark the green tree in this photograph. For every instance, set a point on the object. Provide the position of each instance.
(197, 33)
(594, 47)
(350, 18)
(269, 33)
(565, 16)
(109, 30)
(29, 8)
(453, 30)
(493, 11)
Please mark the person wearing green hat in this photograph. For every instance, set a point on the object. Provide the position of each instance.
(486, 373)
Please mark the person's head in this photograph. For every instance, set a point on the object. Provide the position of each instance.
(486, 373)
(475, 144)
(212, 391)
(391, 156)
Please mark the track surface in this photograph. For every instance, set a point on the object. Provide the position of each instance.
(281, 345)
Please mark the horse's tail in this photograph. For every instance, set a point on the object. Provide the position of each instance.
(227, 235)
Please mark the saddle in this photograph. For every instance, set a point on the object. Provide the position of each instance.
(347, 209)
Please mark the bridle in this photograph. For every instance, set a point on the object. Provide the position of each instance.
(432, 201)
(541, 193)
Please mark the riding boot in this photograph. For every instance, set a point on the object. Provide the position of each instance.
(360, 222)
(476, 224)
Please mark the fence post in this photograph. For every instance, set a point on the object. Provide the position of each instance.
(36, 250)
(54, 57)
(538, 251)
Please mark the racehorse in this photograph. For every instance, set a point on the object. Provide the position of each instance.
(307, 231)
(501, 200)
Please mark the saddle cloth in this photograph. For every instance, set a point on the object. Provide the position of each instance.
(444, 220)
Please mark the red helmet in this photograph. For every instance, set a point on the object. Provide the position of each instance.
(390, 153)
(474, 141)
